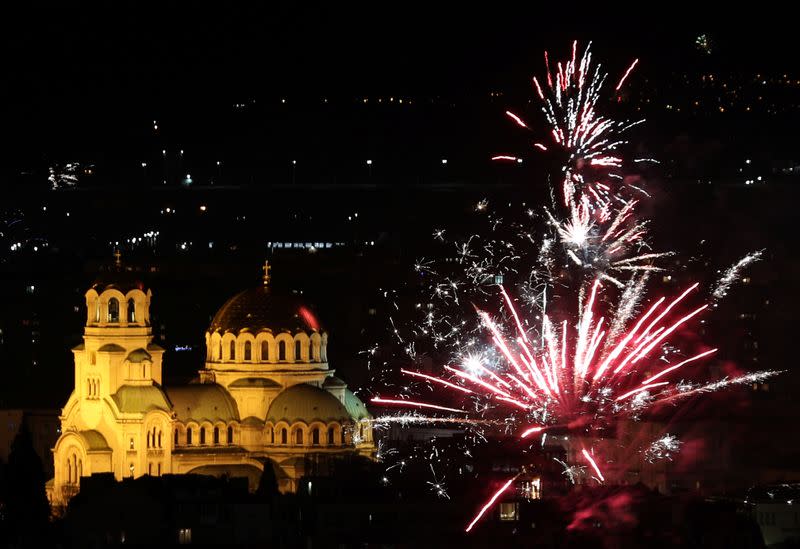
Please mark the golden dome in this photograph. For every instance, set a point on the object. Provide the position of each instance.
(261, 309)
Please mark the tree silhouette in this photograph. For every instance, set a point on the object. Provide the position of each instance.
(268, 483)
(27, 508)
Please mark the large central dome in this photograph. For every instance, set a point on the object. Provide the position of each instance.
(260, 309)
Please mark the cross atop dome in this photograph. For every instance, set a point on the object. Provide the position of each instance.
(117, 258)
(266, 268)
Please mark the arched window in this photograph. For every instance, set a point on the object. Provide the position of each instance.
(232, 355)
(283, 436)
(131, 311)
(202, 435)
(315, 437)
(148, 439)
(272, 436)
(80, 470)
(264, 351)
(149, 468)
(331, 433)
(248, 351)
(189, 436)
(97, 312)
(159, 439)
(297, 351)
(311, 356)
(230, 435)
(220, 351)
(159, 469)
(113, 310)
(281, 350)
(298, 437)
(175, 442)
(130, 446)
(216, 435)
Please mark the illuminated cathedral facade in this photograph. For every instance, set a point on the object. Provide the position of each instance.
(266, 395)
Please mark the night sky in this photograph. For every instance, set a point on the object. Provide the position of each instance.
(76, 72)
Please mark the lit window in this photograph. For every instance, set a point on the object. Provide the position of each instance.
(185, 536)
(247, 351)
(113, 310)
(264, 351)
(509, 512)
(131, 311)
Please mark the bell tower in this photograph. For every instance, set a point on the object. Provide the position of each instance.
(118, 346)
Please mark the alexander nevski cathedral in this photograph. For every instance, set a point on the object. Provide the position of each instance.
(266, 395)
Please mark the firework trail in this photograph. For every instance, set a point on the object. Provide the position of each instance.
(732, 274)
(577, 345)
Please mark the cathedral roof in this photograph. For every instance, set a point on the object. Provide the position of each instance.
(140, 399)
(203, 401)
(304, 402)
(260, 309)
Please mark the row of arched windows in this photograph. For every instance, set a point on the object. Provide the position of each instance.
(113, 311)
(92, 387)
(247, 351)
(154, 438)
(317, 436)
(74, 470)
(204, 437)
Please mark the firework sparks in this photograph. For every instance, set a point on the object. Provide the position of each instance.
(662, 448)
(577, 345)
(624, 76)
(491, 501)
(591, 461)
(732, 274)
(378, 400)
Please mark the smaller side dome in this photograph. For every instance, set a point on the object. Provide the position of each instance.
(139, 355)
(140, 399)
(94, 440)
(111, 348)
(307, 403)
(354, 406)
(203, 401)
(333, 382)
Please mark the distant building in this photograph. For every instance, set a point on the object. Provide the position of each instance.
(266, 395)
